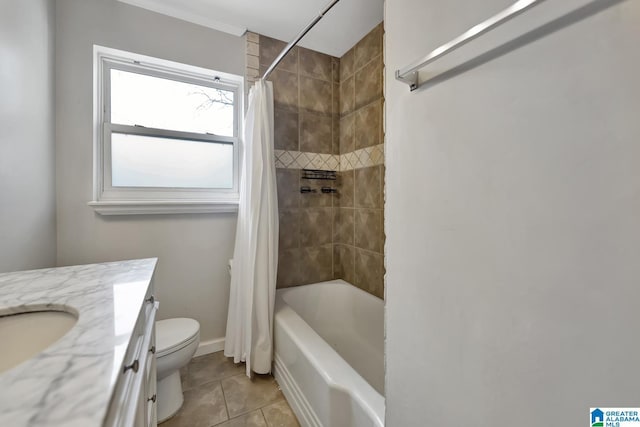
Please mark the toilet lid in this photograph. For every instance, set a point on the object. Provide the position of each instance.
(173, 333)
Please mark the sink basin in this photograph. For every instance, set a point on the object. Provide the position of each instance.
(23, 335)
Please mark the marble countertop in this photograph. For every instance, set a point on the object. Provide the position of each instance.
(71, 382)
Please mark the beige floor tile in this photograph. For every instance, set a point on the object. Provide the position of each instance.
(203, 407)
(252, 419)
(279, 414)
(208, 368)
(243, 394)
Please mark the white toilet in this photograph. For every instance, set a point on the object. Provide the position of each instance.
(176, 343)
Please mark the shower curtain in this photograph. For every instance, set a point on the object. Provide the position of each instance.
(255, 258)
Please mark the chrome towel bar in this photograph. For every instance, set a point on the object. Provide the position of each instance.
(409, 74)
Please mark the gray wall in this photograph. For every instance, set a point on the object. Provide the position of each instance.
(192, 278)
(27, 159)
(513, 219)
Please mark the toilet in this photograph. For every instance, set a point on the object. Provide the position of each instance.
(176, 343)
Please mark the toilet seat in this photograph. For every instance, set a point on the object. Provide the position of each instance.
(174, 334)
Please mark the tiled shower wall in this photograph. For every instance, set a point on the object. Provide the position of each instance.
(306, 119)
(358, 222)
(325, 236)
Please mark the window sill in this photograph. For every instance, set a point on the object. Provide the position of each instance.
(162, 207)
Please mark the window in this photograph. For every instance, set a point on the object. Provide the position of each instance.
(166, 136)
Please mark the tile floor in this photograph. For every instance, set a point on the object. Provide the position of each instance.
(218, 393)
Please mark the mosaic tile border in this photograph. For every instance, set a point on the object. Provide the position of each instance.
(365, 157)
(286, 159)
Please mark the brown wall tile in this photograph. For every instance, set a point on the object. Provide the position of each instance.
(271, 48)
(316, 133)
(335, 101)
(368, 48)
(317, 199)
(344, 259)
(285, 130)
(368, 125)
(335, 133)
(315, 64)
(315, 95)
(347, 134)
(335, 69)
(345, 196)
(316, 264)
(285, 89)
(368, 229)
(346, 65)
(289, 229)
(343, 226)
(368, 188)
(289, 268)
(288, 181)
(369, 273)
(368, 83)
(347, 95)
(315, 226)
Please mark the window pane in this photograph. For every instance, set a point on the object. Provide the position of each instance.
(137, 99)
(145, 161)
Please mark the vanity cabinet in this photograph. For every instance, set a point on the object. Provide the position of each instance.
(102, 372)
(133, 403)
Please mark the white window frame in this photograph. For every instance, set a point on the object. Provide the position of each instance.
(109, 200)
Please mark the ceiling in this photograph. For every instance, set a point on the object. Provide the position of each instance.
(336, 33)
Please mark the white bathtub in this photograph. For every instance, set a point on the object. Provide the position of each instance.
(329, 354)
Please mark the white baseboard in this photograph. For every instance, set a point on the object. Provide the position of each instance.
(211, 346)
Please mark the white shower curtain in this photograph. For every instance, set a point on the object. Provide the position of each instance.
(255, 258)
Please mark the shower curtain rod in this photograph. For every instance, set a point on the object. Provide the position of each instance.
(299, 37)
